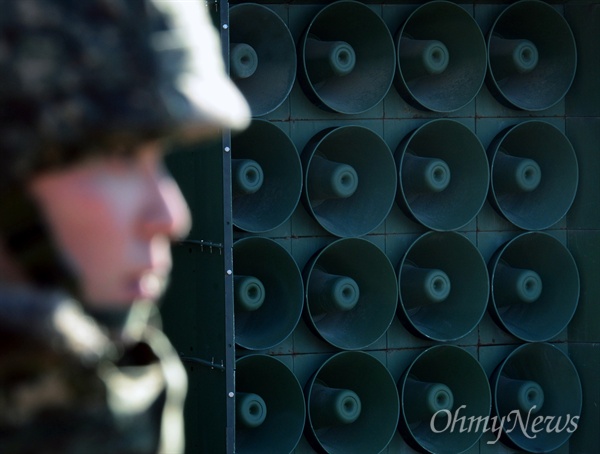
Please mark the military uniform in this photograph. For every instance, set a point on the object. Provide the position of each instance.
(82, 78)
(66, 386)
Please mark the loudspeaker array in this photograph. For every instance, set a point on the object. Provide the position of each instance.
(376, 218)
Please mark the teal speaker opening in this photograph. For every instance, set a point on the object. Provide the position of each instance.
(262, 56)
(270, 409)
(443, 286)
(443, 383)
(266, 177)
(352, 405)
(534, 174)
(268, 293)
(535, 286)
(442, 57)
(351, 293)
(443, 175)
(539, 387)
(349, 180)
(346, 50)
(532, 56)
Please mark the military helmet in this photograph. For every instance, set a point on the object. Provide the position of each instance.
(79, 77)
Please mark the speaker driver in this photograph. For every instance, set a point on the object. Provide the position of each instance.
(262, 56)
(441, 57)
(538, 388)
(534, 174)
(532, 56)
(535, 286)
(347, 58)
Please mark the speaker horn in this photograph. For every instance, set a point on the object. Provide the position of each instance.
(262, 56)
(532, 56)
(441, 57)
(270, 406)
(534, 174)
(266, 175)
(349, 180)
(538, 388)
(444, 383)
(268, 293)
(347, 58)
(443, 175)
(351, 293)
(444, 286)
(535, 286)
(352, 405)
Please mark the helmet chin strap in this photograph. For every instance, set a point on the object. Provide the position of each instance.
(113, 319)
(126, 323)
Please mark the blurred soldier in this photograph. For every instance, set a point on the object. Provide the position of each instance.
(90, 91)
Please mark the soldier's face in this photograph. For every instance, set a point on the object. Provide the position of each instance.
(114, 218)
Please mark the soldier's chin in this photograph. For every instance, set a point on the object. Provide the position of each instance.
(151, 287)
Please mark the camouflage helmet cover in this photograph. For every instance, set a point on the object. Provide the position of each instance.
(78, 77)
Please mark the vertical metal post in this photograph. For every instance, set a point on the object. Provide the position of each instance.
(223, 12)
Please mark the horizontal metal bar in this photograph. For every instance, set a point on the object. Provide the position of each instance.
(203, 362)
(210, 246)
